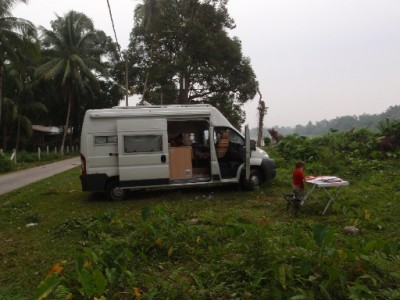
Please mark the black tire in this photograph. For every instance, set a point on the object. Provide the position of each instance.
(255, 180)
(114, 192)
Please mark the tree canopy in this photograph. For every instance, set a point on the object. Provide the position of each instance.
(343, 123)
(181, 53)
(72, 53)
(16, 35)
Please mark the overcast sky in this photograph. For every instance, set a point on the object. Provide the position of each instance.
(314, 59)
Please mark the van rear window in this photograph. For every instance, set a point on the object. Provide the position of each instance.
(142, 143)
(101, 140)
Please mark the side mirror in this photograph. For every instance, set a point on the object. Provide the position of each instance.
(253, 145)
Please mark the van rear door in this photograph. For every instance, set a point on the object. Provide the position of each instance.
(142, 152)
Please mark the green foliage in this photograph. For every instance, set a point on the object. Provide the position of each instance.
(198, 63)
(243, 260)
(229, 107)
(70, 70)
(6, 165)
(267, 140)
(47, 286)
(24, 156)
(389, 127)
(211, 243)
(331, 150)
(27, 160)
(17, 42)
(372, 122)
(28, 98)
(296, 147)
(30, 157)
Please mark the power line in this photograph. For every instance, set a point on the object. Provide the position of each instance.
(113, 26)
(119, 53)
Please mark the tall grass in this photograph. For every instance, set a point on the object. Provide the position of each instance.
(205, 243)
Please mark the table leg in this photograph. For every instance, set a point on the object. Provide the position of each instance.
(331, 198)
(309, 193)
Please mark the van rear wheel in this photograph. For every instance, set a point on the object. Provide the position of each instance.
(114, 192)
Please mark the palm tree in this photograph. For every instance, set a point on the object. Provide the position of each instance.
(71, 58)
(146, 12)
(12, 32)
(10, 115)
(21, 82)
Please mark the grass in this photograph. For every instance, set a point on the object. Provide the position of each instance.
(203, 243)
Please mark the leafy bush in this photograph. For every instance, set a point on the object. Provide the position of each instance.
(28, 160)
(331, 149)
(165, 257)
(235, 246)
(294, 147)
(6, 165)
(28, 157)
(389, 127)
(267, 141)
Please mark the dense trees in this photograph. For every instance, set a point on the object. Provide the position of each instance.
(71, 57)
(71, 76)
(16, 36)
(183, 54)
(179, 52)
(343, 123)
(20, 85)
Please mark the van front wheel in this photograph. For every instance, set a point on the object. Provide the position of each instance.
(254, 182)
(114, 192)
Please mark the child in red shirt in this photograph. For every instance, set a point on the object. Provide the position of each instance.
(298, 180)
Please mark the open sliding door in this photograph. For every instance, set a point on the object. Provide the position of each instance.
(248, 152)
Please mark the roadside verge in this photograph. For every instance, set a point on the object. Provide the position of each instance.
(16, 180)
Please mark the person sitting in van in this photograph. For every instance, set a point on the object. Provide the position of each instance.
(222, 144)
(178, 141)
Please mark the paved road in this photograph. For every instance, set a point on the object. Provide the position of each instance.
(16, 180)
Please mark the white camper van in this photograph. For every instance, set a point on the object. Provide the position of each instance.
(141, 147)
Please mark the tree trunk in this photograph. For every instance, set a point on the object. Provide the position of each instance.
(126, 83)
(4, 138)
(184, 83)
(144, 88)
(261, 113)
(18, 132)
(66, 123)
(1, 90)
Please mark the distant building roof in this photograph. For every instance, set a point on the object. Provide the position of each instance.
(45, 129)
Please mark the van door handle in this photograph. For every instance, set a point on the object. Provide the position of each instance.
(113, 154)
(163, 158)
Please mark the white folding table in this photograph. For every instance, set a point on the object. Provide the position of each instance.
(326, 183)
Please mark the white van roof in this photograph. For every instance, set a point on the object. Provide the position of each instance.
(163, 106)
(193, 110)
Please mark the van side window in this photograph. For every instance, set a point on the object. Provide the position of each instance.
(101, 140)
(142, 143)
